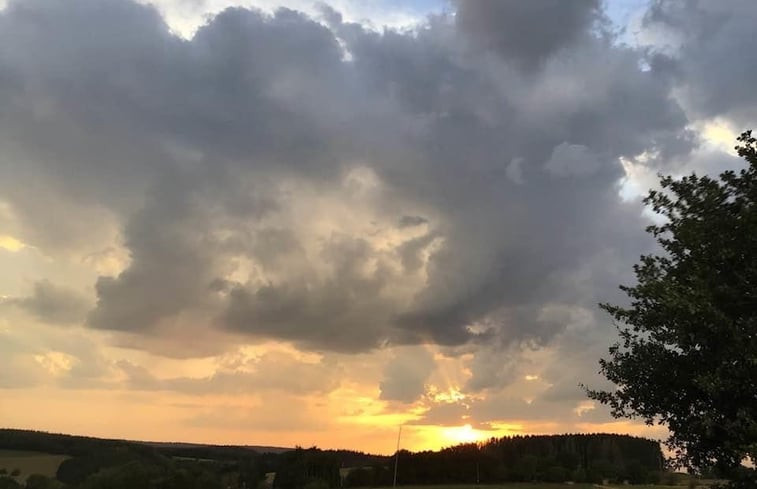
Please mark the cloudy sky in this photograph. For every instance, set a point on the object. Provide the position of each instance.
(286, 222)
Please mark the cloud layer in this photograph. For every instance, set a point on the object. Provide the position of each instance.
(263, 171)
(349, 191)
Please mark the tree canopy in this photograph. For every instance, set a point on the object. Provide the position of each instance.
(687, 355)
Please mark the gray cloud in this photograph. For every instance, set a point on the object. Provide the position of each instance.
(171, 264)
(54, 304)
(514, 171)
(345, 309)
(271, 372)
(444, 414)
(526, 32)
(703, 43)
(44, 354)
(405, 376)
(572, 160)
(19, 368)
(494, 368)
(409, 221)
(256, 172)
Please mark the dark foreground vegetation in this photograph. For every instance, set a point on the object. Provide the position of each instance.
(116, 464)
(687, 352)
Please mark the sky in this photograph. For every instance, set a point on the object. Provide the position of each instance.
(284, 222)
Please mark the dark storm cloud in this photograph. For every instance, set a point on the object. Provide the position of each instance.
(508, 247)
(171, 264)
(526, 32)
(257, 170)
(346, 311)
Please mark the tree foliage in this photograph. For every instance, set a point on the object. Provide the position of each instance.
(307, 468)
(687, 355)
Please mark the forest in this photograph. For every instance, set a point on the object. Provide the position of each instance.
(551, 458)
(95, 463)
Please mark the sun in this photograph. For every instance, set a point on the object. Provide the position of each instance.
(462, 434)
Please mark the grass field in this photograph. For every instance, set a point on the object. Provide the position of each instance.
(30, 463)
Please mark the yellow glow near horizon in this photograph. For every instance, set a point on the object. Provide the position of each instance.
(463, 434)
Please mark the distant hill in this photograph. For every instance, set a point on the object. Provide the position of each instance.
(182, 445)
(59, 443)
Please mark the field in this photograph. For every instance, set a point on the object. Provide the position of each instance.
(30, 463)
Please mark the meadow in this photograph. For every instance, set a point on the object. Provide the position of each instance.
(30, 463)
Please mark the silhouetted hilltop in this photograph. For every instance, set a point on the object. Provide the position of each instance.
(41, 441)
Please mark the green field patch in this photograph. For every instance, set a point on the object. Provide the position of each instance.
(29, 463)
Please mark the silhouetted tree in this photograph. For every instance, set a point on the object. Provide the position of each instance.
(301, 467)
(688, 351)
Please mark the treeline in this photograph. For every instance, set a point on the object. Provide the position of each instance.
(116, 464)
(40, 441)
(554, 458)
